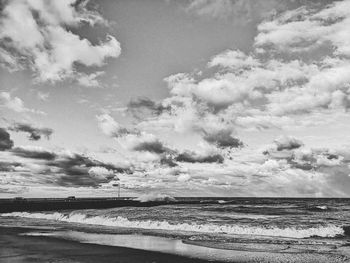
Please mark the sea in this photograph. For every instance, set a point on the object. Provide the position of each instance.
(224, 229)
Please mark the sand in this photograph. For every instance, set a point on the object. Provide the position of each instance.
(15, 248)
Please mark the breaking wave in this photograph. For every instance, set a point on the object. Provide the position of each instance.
(155, 198)
(291, 232)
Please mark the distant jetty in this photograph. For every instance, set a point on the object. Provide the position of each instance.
(54, 204)
(40, 204)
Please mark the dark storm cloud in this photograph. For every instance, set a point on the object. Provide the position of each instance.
(222, 139)
(34, 133)
(191, 157)
(151, 146)
(142, 106)
(33, 154)
(168, 161)
(75, 171)
(78, 164)
(63, 169)
(82, 179)
(5, 140)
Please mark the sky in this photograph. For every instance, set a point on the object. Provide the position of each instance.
(183, 98)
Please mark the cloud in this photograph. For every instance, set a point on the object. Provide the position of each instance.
(37, 35)
(184, 178)
(102, 173)
(132, 139)
(264, 89)
(294, 154)
(304, 29)
(40, 166)
(154, 146)
(110, 127)
(34, 133)
(15, 103)
(234, 59)
(193, 157)
(5, 140)
(43, 96)
(287, 143)
(223, 139)
(143, 106)
(34, 153)
(89, 80)
(239, 10)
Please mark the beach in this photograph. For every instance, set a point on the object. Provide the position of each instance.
(208, 230)
(18, 248)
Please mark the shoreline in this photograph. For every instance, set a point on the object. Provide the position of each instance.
(20, 248)
(17, 245)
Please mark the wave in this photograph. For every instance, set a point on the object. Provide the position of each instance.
(155, 198)
(291, 232)
(319, 208)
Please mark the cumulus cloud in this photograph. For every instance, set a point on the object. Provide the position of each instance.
(261, 91)
(89, 80)
(34, 133)
(37, 165)
(110, 127)
(295, 155)
(5, 140)
(277, 85)
(152, 145)
(184, 178)
(15, 103)
(234, 59)
(306, 28)
(37, 35)
(132, 139)
(223, 139)
(102, 172)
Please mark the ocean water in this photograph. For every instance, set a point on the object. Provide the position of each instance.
(319, 227)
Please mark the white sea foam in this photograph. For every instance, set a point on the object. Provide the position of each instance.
(321, 231)
(155, 197)
(322, 207)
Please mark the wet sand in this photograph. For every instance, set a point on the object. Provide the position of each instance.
(15, 248)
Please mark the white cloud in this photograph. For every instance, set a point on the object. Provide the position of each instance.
(15, 103)
(36, 35)
(234, 59)
(12, 103)
(109, 126)
(306, 28)
(242, 11)
(89, 80)
(101, 172)
(183, 177)
(43, 96)
(265, 89)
